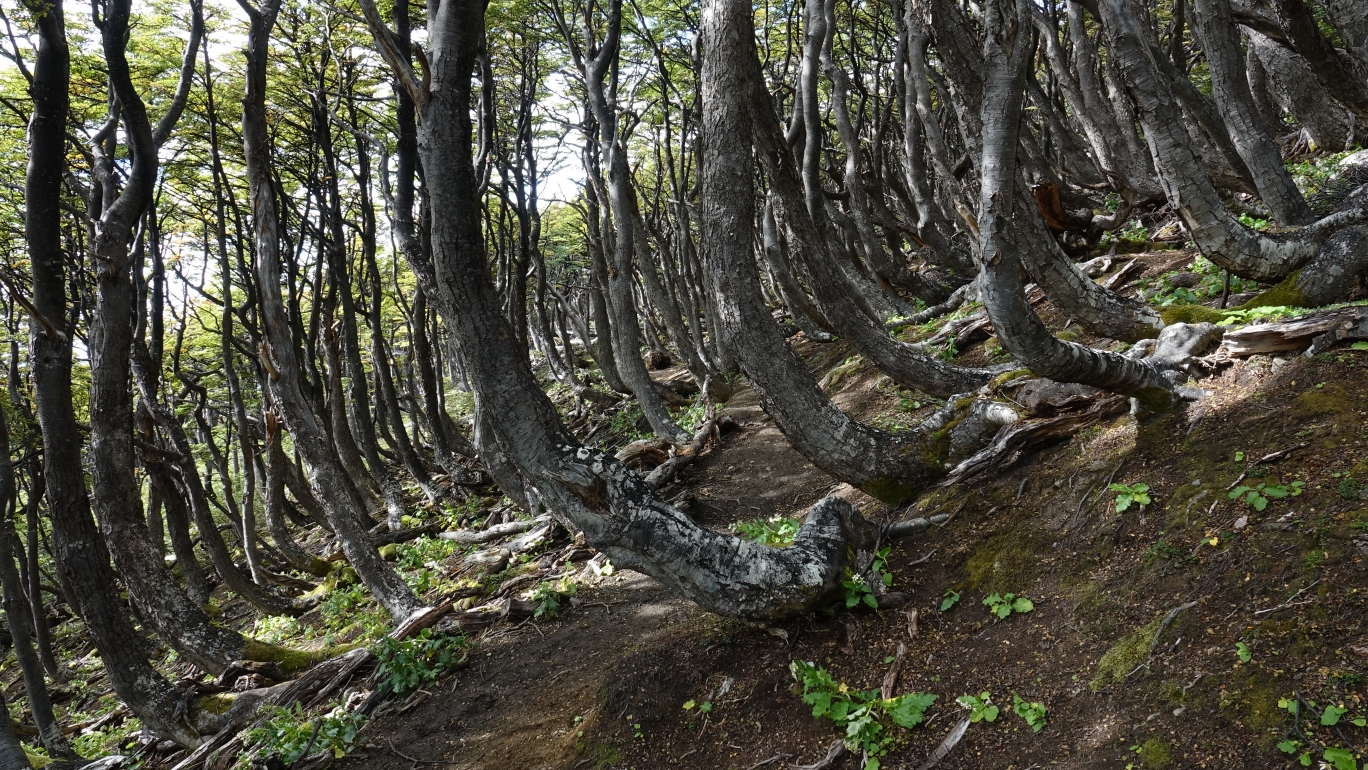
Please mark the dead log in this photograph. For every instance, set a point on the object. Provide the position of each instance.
(493, 533)
(1295, 335)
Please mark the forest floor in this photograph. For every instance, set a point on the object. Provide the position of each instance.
(1276, 596)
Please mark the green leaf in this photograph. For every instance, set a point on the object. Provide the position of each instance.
(1242, 650)
(1258, 501)
(1239, 456)
(1331, 716)
(1359, 346)
(909, 710)
(705, 707)
(871, 601)
(872, 764)
(688, 704)
(1359, 722)
(990, 714)
(1022, 604)
(992, 599)
(1305, 759)
(1277, 492)
(1288, 747)
(1003, 610)
(1237, 491)
(951, 599)
(1340, 759)
(1123, 502)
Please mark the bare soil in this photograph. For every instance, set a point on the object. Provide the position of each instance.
(603, 686)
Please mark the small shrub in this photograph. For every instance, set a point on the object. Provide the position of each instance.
(412, 663)
(778, 531)
(861, 712)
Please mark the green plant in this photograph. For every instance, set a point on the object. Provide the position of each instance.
(1130, 493)
(778, 531)
(548, 595)
(981, 708)
(1243, 653)
(1349, 489)
(861, 712)
(1003, 605)
(1032, 712)
(412, 663)
(703, 708)
(1292, 746)
(1340, 759)
(950, 599)
(289, 733)
(857, 588)
(1258, 496)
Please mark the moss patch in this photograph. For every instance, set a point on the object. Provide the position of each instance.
(1191, 314)
(1006, 377)
(1133, 649)
(1005, 562)
(218, 703)
(1285, 294)
(37, 760)
(1154, 753)
(291, 660)
(1331, 399)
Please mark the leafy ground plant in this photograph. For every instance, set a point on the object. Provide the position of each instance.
(288, 732)
(1031, 711)
(1003, 605)
(950, 599)
(1258, 496)
(861, 712)
(857, 587)
(778, 531)
(981, 707)
(1130, 493)
(412, 663)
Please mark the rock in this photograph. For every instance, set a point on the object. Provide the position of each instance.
(1185, 280)
(1241, 523)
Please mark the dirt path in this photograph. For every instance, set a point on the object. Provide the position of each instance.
(533, 691)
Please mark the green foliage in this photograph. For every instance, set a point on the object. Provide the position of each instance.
(950, 599)
(1258, 496)
(778, 531)
(1003, 605)
(981, 707)
(857, 588)
(1340, 759)
(418, 661)
(1032, 712)
(1130, 493)
(288, 732)
(1243, 653)
(549, 595)
(861, 712)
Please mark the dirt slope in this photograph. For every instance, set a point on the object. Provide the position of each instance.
(604, 687)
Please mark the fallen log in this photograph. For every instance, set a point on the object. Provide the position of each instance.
(493, 533)
(1295, 335)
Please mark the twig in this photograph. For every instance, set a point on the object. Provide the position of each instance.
(890, 680)
(1289, 601)
(1173, 613)
(771, 760)
(1265, 459)
(924, 558)
(946, 746)
(412, 759)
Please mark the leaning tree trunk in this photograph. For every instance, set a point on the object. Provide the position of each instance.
(1230, 86)
(79, 549)
(617, 511)
(326, 475)
(20, 617)
(1216, 231)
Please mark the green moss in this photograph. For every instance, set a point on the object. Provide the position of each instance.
(218, 703)
(289, 659)
(842, 372)
(602, 754)
(1006, 377)
(1005, 562)
(1331, 399)
(37, 760)
(1132, 650)
(1256, 701)
(1285, 294)
(389, 551)
(1154, 753)
(1191, 314)
(1068, 336)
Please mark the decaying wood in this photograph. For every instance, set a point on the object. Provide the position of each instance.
(947, 745)
(890, 680)
(1294, 335)
(835, 754)
(493, 533)
(1018, 436)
